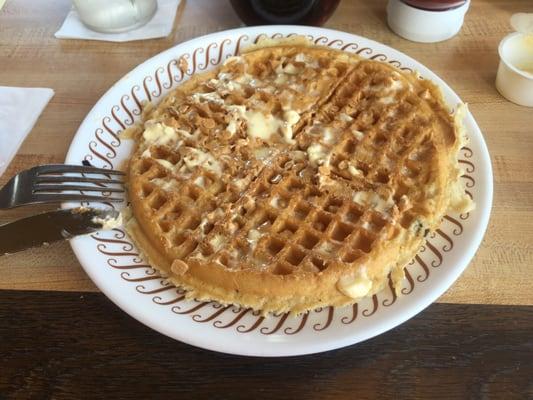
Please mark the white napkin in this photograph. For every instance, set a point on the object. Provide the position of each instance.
(19, 110)
(159, 26)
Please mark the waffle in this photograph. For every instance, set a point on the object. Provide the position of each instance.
(292, 177)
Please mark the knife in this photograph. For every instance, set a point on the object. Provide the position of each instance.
(48, 227)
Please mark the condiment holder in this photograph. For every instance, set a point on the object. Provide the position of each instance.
(514, 79)
(426, 22)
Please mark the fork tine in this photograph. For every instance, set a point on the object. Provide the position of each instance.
(60, 179)
(61, 188)
(64, 168)
(57, 198)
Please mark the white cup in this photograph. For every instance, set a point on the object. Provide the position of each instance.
(422, 25)
(514, 79)
(113, 16)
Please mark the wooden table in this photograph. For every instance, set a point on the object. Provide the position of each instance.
(60, 340)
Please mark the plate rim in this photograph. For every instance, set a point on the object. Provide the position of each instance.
(379, 327)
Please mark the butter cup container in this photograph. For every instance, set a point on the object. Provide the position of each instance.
(424, 25)
(514, 79)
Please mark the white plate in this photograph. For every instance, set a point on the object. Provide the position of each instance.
(114, 265)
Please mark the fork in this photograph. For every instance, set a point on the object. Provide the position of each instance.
(47, 184)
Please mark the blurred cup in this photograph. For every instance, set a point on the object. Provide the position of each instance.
(113, 16)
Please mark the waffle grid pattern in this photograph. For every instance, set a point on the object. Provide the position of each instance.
(286, 211)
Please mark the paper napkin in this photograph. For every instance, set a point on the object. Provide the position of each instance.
(159, 26)
(19, 110)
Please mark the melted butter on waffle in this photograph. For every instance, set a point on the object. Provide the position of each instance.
(292, 177)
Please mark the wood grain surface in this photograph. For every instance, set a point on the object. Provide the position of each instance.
(81, 71)
(79, 345)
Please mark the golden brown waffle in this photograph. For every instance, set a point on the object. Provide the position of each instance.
(292, 177)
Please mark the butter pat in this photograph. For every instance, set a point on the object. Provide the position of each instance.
(261, 126)
(358, 134)
(355, 171)
(345, 117)
(199, 181)
(165, 185)
(233, 59)
(212, 97)
(329, 136)
(166, 164)
(316, 154)
(355, 287)
(373, 200)
(291, 118)
(232, 126)
(217, 242)
(197, 158)
(159, 134)
(397, 276)
(108, 222)
(236, 110)
(460, 202)
(262, 153)
(253, 236)
(241, 184)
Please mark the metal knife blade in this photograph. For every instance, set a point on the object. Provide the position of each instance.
(52, 226)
